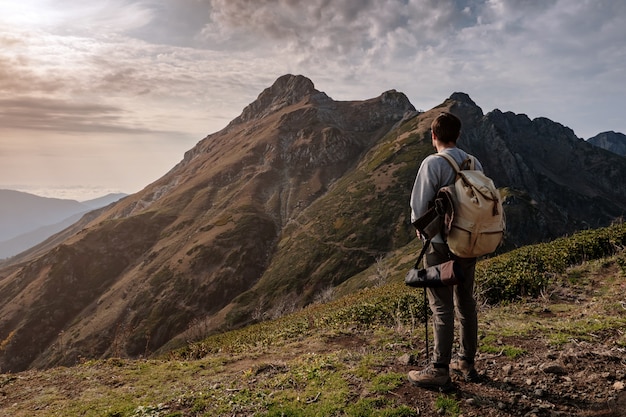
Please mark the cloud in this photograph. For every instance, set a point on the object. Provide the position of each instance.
(122, 71)
(154, 56)
(174, 23)
(52, 81)
(62, 116)
(545, 51)
(338, 28)
(82, 18)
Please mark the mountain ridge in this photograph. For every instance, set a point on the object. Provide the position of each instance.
(298, 194)
(21, 212)
(27, 219)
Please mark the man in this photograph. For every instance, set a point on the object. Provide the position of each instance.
(436, 172)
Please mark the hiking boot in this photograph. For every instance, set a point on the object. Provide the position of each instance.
(464, 369)
(431, 377)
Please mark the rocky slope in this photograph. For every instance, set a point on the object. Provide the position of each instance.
(295, 196)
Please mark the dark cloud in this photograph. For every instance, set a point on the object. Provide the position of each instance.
(18, 75)
(51, 115)
(342, 26)
(344, 35)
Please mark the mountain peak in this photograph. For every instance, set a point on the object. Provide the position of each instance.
(296, 85)
(462, 98)
(611, 141)
(286, 90)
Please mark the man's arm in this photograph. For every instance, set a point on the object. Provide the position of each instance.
(424, 189)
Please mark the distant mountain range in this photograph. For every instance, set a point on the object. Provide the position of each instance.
(27, 219)
(296, 196)
(611, 141)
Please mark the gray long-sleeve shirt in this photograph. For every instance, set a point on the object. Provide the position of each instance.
(435, 172)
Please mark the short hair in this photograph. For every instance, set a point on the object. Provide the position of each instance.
(447, 127)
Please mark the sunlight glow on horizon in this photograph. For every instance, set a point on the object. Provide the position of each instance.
(71, 192)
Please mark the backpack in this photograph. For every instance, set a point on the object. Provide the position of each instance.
(477, 224)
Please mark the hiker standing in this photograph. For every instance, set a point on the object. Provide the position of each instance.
(434, 173)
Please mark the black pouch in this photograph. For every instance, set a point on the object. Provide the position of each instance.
(442, 275)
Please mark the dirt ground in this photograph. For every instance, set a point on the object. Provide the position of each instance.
(583, 377)
(579, 381)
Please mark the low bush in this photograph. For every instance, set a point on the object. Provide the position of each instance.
(526, 272)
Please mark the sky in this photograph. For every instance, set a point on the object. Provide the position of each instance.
(100, 96)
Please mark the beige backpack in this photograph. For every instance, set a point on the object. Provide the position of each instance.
(477, 225)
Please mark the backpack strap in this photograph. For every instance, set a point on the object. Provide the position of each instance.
(467, 164)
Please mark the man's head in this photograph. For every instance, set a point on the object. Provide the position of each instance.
(446, 128)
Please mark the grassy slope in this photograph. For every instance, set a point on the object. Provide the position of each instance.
(341, 357)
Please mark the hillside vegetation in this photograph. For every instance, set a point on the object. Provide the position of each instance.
(299, 200)
(551, 344)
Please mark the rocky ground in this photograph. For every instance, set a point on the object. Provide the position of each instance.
(571, 363)
(584, 379)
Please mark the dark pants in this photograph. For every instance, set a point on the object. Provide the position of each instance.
(445, 301)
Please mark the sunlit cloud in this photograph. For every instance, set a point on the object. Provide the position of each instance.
(123, 70)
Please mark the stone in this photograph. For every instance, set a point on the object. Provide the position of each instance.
(554, 368)
(406, 359)
(507, 369)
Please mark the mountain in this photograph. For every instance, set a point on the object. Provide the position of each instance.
(103, 201)
(27, 219)
(22, 212)
(611, 141)
(294, 197)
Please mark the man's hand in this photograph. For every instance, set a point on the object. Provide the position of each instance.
(419, 235)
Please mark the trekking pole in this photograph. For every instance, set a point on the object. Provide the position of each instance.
(420, 258)
(426, 326)
(425, 245)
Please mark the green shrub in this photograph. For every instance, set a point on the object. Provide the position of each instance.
(387, 310)
(528, 270)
